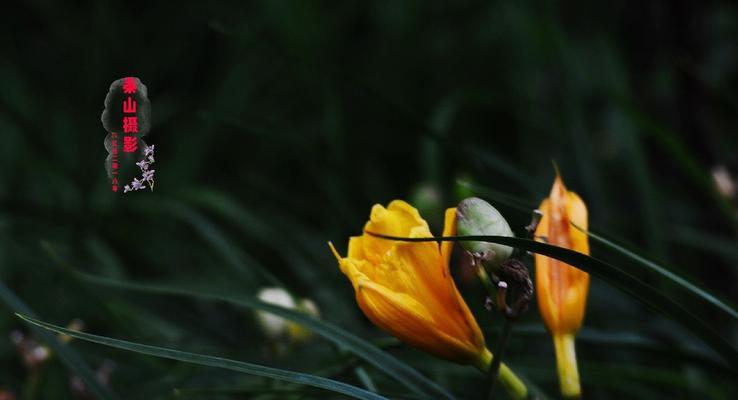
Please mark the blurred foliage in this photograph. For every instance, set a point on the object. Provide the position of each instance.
(278, 124)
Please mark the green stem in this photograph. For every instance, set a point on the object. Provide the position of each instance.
(489, 287)
(496, 361)
(510, 382)
(493, 366)
(566, 364)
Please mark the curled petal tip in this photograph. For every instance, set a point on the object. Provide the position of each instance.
(335, 252)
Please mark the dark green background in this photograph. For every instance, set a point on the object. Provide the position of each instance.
(278, 124)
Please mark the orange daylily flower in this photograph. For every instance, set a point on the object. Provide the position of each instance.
(406, 289)
(561, 288)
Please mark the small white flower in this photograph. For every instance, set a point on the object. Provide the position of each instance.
(309, 307)
(40, 352)
(276, 328)
(143, 165)
(272, 325)
(724, 183)
(149, 150)
(148, 175)
(126, 189)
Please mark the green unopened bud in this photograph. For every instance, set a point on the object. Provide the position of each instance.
(475, 217)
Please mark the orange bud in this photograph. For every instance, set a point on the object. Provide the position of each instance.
(561, 288)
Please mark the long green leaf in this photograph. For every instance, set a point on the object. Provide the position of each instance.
(240, 261)
(624, 281)
(363, 349)
(67, 355)
(666, 274)
(707, 242)
(660, 271)
(681, 156)
(218, 362)
(690, 353)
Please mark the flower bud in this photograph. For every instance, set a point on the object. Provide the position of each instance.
(475, 217)
(276, 327)
(297, 332)
(562, 289)
(272, 325)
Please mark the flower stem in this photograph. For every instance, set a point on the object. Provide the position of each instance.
(483, 276)
(513, 386)
(494, 369)
(566, 364)
(510, 382)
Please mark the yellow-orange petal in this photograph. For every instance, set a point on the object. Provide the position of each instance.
(398, 219)
(406, 318)
(562, 289)
(460, 307)
(577, 211)
(406, 289)
(412, 279)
